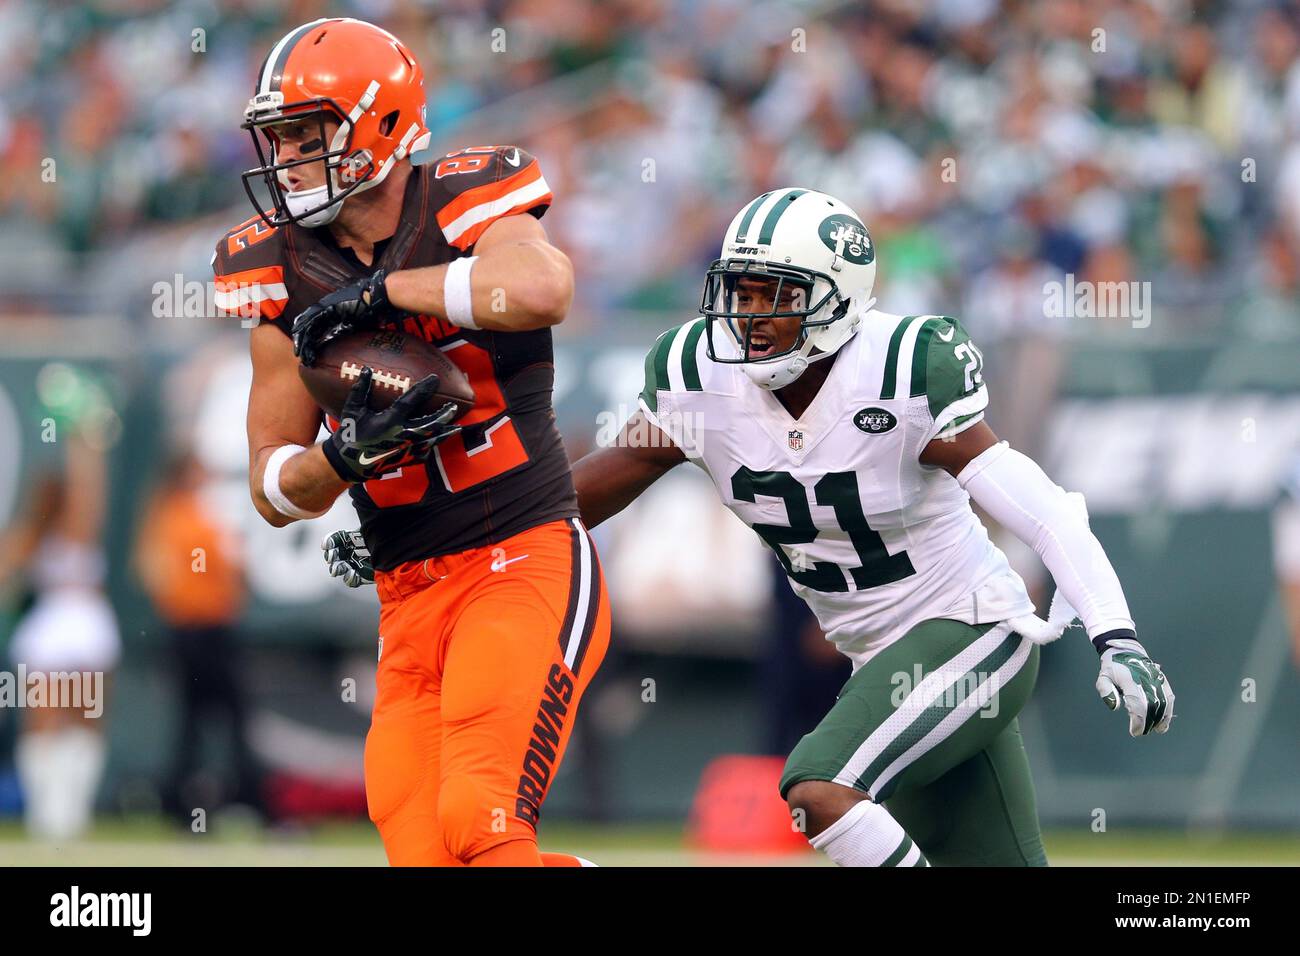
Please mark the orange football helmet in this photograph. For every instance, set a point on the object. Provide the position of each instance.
(351, 71)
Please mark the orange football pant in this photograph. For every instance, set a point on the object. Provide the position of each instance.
(483, 658)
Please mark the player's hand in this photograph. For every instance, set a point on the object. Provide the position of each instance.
(1129, 676)
(369, 443)
(348, 558)
(361, 305)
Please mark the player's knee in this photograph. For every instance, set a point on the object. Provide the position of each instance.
(474, 816)
(819, 803)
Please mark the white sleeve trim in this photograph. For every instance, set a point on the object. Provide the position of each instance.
(650, 416)
(676, 374)
(1017, 494)
(975, 402)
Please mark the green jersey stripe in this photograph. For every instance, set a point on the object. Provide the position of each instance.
(656, 370)
(690, 362)
(891, 358)
(920, 355)
(749, 217)
(661, 359)
(778, 209)
(896, 858)
(648, 390)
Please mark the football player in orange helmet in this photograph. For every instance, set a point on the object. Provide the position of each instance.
(493, 614)
(339, 104)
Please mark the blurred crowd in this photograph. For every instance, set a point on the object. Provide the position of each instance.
(990, 145)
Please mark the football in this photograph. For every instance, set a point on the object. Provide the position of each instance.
(398, 362)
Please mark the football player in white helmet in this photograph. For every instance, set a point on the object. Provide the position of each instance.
(853, 441)
(812, 261)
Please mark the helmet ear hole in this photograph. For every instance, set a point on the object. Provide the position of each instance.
(388, 123)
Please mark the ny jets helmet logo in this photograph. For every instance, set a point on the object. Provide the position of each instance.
(846, 237)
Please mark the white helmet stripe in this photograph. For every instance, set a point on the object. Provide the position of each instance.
(274, 63)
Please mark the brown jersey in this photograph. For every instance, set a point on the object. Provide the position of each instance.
(506, 470)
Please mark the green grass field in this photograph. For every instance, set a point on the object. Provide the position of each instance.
(150, 843)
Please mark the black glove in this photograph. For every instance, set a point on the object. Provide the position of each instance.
(369, 443)
(359, 306)
(349, 558)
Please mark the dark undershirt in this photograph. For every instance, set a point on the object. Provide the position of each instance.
(328, 239)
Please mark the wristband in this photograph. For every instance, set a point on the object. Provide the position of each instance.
(271, 484)
(456, 293)
(1102, 641)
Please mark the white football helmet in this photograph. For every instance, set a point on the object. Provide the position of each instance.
(824, 264)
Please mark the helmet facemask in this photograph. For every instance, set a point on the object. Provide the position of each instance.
(732, 325)
(345, 172)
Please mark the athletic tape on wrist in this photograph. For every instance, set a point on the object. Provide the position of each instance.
(457, 295)
(271, 484)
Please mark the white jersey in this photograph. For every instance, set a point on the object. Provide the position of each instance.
(873, 540)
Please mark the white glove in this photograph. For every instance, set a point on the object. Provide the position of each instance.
(1129, 674)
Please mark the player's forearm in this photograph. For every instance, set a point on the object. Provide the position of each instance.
(514, 287)
(306, 482)
(610, 479)
(1016, 493)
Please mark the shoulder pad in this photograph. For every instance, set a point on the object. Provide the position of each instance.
(478, 185)
(949, 365)
(672, 364)
(248, 268)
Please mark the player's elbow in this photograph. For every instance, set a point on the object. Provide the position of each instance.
(277, 520)
(548, 293)
(268, 511)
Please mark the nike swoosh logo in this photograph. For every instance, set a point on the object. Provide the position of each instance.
(365, 460)
(500, 565)
(513, 158)
(947, 338)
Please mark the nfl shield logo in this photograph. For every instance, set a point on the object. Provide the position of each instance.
(795, 439)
